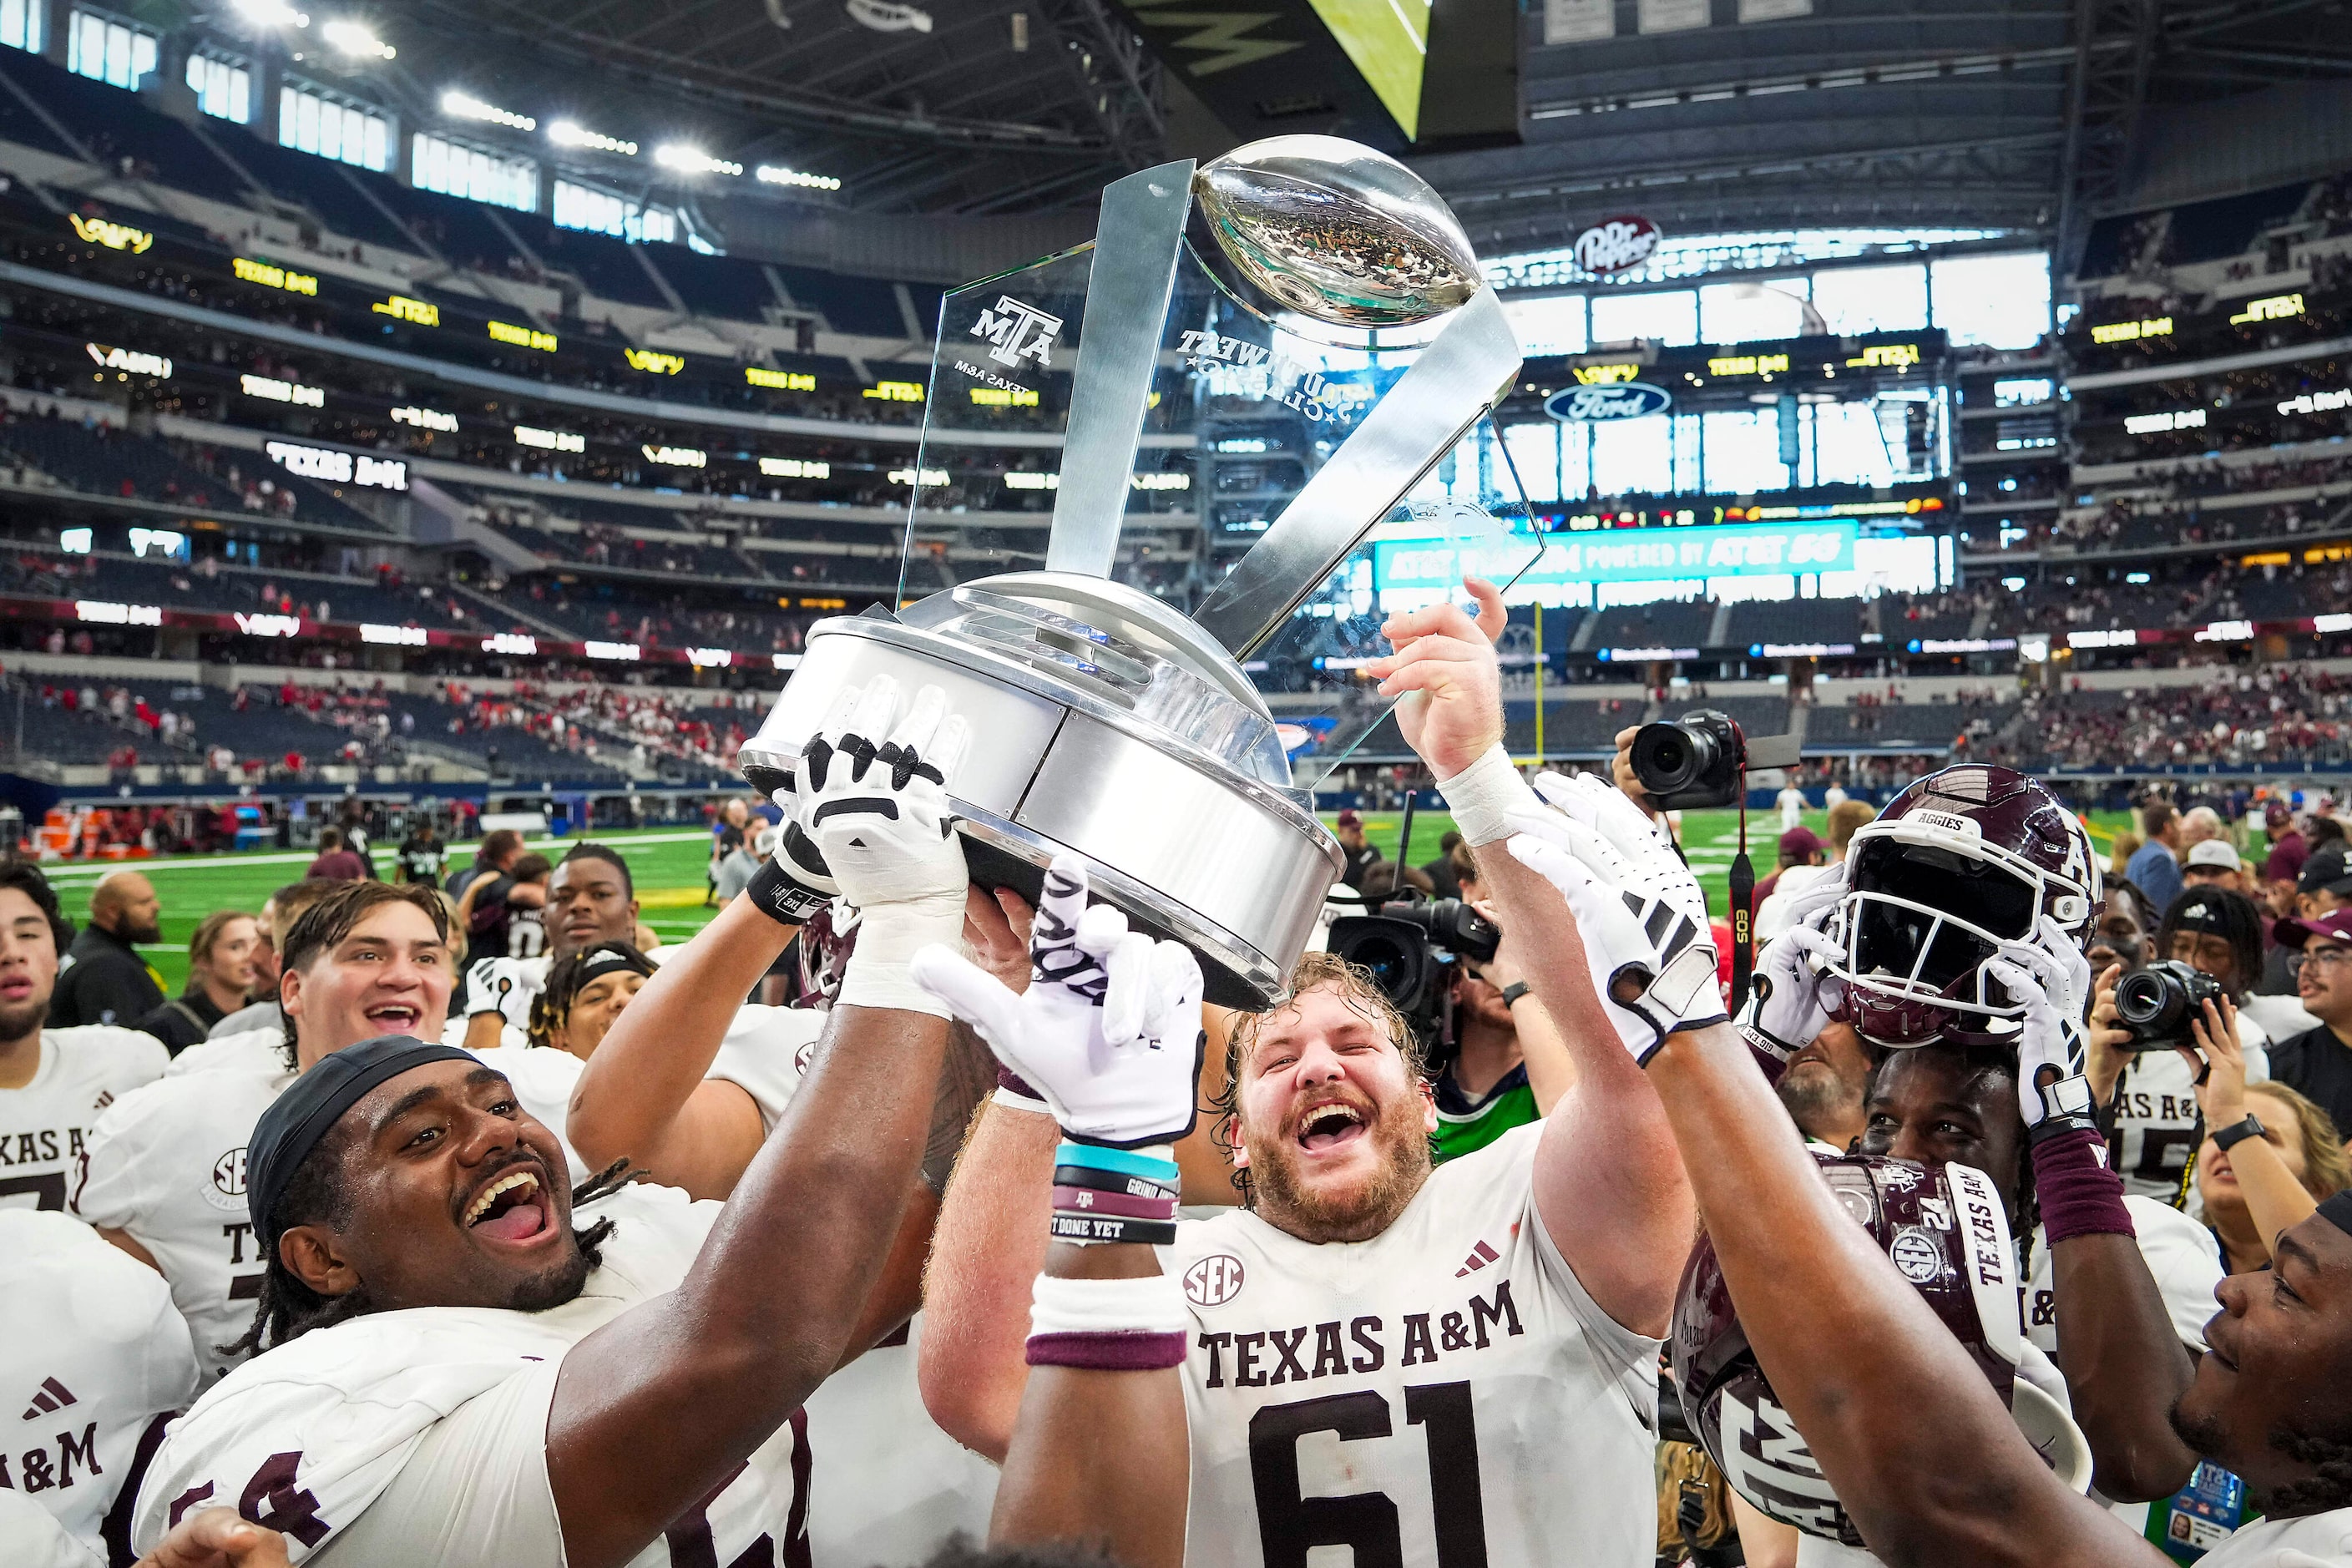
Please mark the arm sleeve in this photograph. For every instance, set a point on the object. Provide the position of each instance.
(475, 1489)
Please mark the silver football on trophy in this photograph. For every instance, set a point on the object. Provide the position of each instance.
(1336, 231)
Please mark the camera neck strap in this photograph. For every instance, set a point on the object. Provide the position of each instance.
(1743, 898)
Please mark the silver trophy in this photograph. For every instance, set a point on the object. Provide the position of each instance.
(1291, 344)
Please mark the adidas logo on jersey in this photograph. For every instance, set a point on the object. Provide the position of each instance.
(50, 1397)
(1480, 1256)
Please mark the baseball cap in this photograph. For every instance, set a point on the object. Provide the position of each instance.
(1350, 817)
(1800, 842)
(2325, 873)
(2336, 925)
(2276, 816)
(2214, 852)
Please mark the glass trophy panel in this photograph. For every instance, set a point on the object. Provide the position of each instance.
(1240, 412)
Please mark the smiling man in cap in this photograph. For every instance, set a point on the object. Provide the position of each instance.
(467, 1361)
(2319, 1061)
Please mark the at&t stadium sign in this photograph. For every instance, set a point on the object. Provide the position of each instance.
(1622, 400)
(1626, 555)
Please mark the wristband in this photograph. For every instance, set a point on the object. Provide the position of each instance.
(1090, 1230)
(1108, 1325)
(1088, 1201)
(783, 897)
(2080, 1196)
(880, 971)
(1485, 796)
(1513, 991)
(1771, 1054)
(1112, 1182)
(2228, 1138)
(1155, 1162)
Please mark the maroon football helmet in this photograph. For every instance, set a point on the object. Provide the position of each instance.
(826, 942)
(1944, 1228)
(1960, 865)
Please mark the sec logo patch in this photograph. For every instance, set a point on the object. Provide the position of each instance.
(1213, 1280)
(1918, 1258)
(226, 1191)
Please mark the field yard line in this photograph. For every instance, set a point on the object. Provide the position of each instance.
(184, 862)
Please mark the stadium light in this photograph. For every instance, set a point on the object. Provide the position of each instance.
(776, 174)
(352, 38)
(565, 133)
(271, 14)
(693, 161)
(464, 107)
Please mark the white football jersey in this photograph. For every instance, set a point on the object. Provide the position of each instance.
(2157, 1126)
(167, 1166)
(2182, 1255)
(45, 1124)
(93, 1350)
(2315, 1541)
(35, 1540)
(1443, 1394)
(419, 1436)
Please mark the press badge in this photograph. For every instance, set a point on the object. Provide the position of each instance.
(2200, 1516)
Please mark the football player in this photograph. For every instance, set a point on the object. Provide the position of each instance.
(53, 1082)
(1507, 1306)
(591, 899)
(93, 1344)
(164, 1174)
(1855, 1355)
(667, 1087)
(468, 1364)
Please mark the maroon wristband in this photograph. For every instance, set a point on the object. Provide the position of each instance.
(1129, 1352)
(2080, 1195)
(1007, 1078)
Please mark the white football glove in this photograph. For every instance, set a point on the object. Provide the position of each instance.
(1108, 1032)
(503, 985)
(1790, 997)
(1639, 912)
(2052, 976)
(873, 800)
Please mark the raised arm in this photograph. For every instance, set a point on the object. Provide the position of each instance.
(2125, 1366)
(1107, 1032)
(1608, 1179)
(656, 1409)
(2276, 1199)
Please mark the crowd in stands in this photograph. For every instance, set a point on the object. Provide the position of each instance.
(2280, 714)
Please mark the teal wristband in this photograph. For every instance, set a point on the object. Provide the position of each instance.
(1120, 1162)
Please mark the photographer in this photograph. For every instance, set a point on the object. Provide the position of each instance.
(2319, 1061)
(1507, 1065)
(2148, 1072)
(2270, 1157)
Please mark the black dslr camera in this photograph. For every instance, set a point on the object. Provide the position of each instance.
(1695, 763)
(2157, 1003)
(1407, 948)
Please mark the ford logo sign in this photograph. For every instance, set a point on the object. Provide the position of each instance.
(1623, 400)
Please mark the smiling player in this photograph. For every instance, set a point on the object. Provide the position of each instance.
(164, 1174)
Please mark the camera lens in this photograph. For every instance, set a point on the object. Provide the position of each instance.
(2156, 1002)
(1392, 969)
(1669, 758)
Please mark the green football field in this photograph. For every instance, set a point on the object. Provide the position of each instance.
(668, 864)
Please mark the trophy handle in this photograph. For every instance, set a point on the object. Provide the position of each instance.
(1129, 285)
(1471, 363)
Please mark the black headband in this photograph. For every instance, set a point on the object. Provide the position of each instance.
(311, 1105)
(2337, 1211)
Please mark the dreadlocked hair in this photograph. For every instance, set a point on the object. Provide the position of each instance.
(2331, 1488)
(552, 1008)
(287, 1309)
(1354, 985)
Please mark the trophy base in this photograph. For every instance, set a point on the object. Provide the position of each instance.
(1190, 847)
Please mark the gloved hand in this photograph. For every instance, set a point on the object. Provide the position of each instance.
(1109, 1031)
(503, 985)
(2052, 977)
(795, 882)
(1638, 909)
(1791, 1000)
(873, 800)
